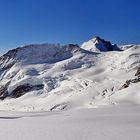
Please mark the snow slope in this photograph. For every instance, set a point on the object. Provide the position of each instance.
(54, 77)
(120, 123)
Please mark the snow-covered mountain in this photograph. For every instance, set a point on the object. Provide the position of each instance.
(99, 45)
(57, 77)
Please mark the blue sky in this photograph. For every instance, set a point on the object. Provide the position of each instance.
(68, 21)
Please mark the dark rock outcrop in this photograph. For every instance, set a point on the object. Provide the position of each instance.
(98, 44)
(138, 72)
(19, 91)
(8, 59)
(107, 44)
(135, 80)
(22, 89)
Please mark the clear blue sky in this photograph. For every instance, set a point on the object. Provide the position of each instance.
(68, 21)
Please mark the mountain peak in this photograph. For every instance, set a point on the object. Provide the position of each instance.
(96, 38)
(98, 44)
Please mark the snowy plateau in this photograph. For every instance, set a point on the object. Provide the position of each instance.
(70, 92)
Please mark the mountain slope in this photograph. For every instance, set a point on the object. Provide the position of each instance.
(99, 45)
(55, 77)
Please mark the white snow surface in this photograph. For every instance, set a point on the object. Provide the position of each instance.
(73, 77)
(120, 123)
(125, 47)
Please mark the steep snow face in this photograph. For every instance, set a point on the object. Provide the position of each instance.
(45, 53)
(54, 77)
(99, 45)
(31, 65)
(34, 54)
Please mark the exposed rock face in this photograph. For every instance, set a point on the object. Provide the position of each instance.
(3, 92)
(19, 91)
(8, 60)
(138, 72)
(59, 106)
(126, 84)
(107, 44)
(135, 80)
(99, 45)
(22, 89)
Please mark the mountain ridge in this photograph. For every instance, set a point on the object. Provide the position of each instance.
(59, 77)
(97, 44)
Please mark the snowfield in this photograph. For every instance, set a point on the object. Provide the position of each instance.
(70, 92)
(120, 123)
